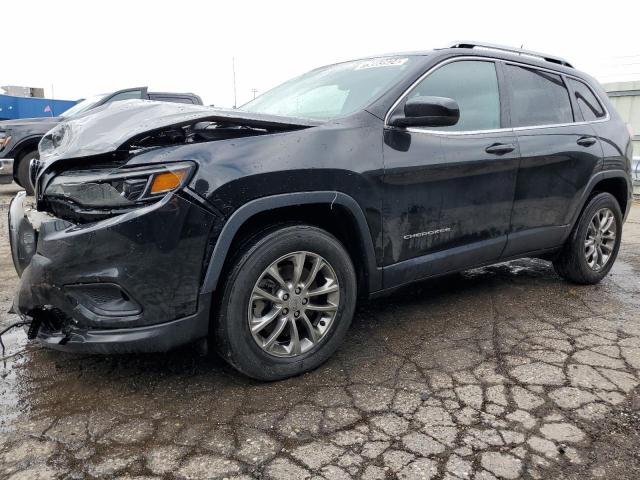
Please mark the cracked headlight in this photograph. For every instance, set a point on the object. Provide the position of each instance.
(120, 188)
(55, 140)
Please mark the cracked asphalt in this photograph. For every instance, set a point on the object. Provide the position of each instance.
(500, 372)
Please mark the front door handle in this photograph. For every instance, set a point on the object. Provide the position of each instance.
(500, 148)
(586, 141)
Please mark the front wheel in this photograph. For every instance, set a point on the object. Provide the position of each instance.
(287, 303)
(593, 245)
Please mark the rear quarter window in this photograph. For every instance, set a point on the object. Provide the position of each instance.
(588, 103)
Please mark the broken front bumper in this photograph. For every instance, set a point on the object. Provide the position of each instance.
(129, 283)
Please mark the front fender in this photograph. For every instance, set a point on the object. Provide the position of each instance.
(244, 213)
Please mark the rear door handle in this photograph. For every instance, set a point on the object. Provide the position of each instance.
(586, 141)
(500, 148)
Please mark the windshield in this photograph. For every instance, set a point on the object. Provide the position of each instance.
(333, 91)
(83, 106)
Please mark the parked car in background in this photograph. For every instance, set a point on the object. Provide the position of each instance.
(261, 227)
(6, 170)
(636, 175)
(19, 138)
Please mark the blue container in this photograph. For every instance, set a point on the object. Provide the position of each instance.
(28, 107)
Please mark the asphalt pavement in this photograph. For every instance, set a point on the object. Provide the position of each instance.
(500, 372)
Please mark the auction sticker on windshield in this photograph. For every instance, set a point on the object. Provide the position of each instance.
(381, 62)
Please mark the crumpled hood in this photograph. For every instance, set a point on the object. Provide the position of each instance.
(109, 127)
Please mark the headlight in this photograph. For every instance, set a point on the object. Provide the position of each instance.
(4, 139)
(121, 188)
(55, 140)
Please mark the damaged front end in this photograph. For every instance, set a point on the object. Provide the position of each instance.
(119, 283)
(110, 251)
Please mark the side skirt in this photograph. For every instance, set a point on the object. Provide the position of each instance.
(547, 252)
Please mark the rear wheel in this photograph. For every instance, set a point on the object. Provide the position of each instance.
(24, 178)
(593, 246)
(287, 303)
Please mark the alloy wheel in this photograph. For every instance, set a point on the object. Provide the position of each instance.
(293, 304)
(600, 239)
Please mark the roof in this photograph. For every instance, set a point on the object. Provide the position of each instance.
(502, 52)
(512, 50)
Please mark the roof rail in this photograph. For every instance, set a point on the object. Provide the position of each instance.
(518, 51)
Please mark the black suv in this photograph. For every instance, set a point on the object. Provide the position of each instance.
(156, 225)
(19, 138)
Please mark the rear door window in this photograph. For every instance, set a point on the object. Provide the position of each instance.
(588, 103)
(538, 98)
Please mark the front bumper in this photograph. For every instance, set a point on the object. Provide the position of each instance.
(6, 170)
(129, 283)
(152, 338)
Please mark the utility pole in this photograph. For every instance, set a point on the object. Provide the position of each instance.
(233, 66)
(254, 91)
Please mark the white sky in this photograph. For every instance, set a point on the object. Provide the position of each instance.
(88, 47)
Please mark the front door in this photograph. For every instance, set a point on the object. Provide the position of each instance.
(449, 190)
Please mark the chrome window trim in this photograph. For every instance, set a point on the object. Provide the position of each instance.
(447, 61)
(453, 132)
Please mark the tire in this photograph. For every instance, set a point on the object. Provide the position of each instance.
(573, 264)
(233, 336)
(24, 179)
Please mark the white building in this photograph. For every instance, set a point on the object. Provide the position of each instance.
(625, 96)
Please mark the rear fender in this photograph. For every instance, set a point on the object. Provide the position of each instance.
(591, 187)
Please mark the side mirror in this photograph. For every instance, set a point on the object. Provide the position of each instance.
(427, 112)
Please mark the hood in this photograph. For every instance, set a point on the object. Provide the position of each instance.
(25, 122)
(113, 126)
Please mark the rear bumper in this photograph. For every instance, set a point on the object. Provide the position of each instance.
(6, 170)
(124, 284)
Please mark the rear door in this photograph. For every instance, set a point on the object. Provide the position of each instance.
(449, 190)
(559, 151)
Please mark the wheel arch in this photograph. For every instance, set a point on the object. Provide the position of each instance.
(25, 146)
(616, 186)
(615, 182)
(336, 212)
